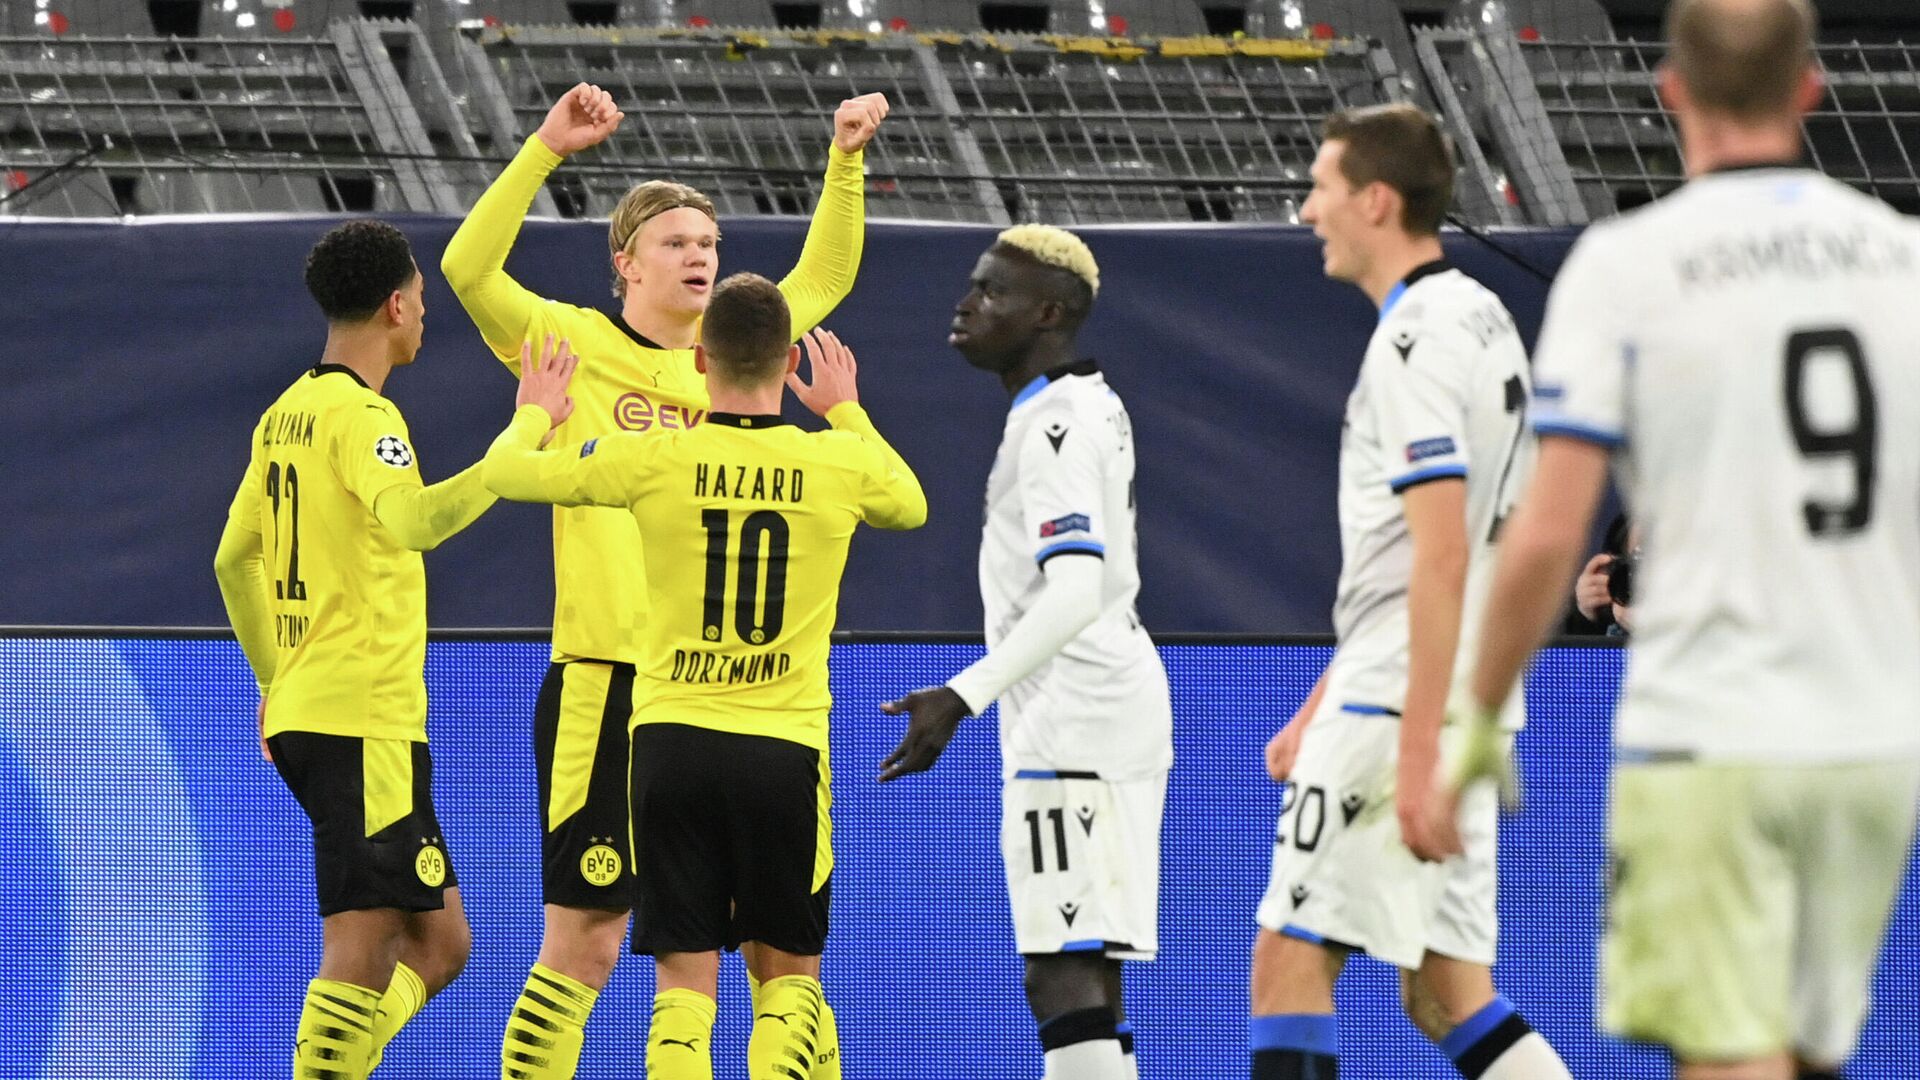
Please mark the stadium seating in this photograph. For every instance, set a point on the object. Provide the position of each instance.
(1073, 110)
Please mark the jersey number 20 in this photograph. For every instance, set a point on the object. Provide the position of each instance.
(755, 623)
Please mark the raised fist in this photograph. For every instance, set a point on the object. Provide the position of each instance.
(584, 116)
(855, 121)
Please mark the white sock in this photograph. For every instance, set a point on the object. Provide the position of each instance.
(1099, 1059)
(1083, 1045)
(1529, 1059)
(1497, 1043)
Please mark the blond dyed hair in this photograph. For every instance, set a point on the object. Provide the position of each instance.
(642, 204)
(1057, 248)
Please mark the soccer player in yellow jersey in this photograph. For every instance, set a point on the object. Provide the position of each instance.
(636, 374)
(320, 569)
(747, 523)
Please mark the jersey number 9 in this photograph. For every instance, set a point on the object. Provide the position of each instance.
(1857, 442)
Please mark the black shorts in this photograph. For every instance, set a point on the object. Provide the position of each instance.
(378, 851)
(732, 841)
(580, 754)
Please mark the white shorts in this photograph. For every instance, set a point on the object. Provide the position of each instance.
(1748, 903)
(1341, 874)
(1083, 862)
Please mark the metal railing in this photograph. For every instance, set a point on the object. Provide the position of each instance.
(982, 127)
(166, 125)
(379, 115)
(1578, 129)
(402, 116)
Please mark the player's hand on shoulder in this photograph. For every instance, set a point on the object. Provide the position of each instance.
(544, 379)
(933, 715)
(855, 121)
(583, 117)
(833, 370)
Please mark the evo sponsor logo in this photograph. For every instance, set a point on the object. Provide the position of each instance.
(636, 412)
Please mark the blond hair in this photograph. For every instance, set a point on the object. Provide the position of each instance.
(642, 204)
(1057, 248)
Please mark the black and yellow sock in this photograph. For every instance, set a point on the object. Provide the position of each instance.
(405, 995)
(679, 1045)
(826, 1052)
(786, 1029)
(547, 1027)
(336, 1032)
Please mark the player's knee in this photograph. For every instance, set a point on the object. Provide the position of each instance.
(583, 945)
(1056, 985)
(451, 948)
(770, 963)
(1281, 958)
(1291, 975)
(1425, 1010)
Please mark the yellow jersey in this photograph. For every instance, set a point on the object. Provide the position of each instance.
(747, 521)
(348, 600)
(625, 383)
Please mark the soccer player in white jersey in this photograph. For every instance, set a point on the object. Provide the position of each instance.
(1433, 449)
(1086, 725)
(1746, 352)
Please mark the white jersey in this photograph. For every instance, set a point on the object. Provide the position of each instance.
(1063, 483)
(1751, 348)
(1442, 393)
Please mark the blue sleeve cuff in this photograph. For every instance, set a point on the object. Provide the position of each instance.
(1421, 476)
(1071, 547)
(1612, 440)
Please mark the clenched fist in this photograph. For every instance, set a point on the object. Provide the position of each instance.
(855, 121)
(584, 116)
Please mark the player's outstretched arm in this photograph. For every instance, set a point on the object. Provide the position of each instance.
(830, 259)
(893, 498)
(475, 260)
(1067, 605)
(605, 472)
(422, 518)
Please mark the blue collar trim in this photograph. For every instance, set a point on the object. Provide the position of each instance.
(1393, 297)
(1427, 269)
(1038, 384)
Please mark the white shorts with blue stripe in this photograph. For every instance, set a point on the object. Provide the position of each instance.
(1082, 856)
(1341, 874)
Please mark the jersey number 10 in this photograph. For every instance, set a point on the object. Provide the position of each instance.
(754, 623)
